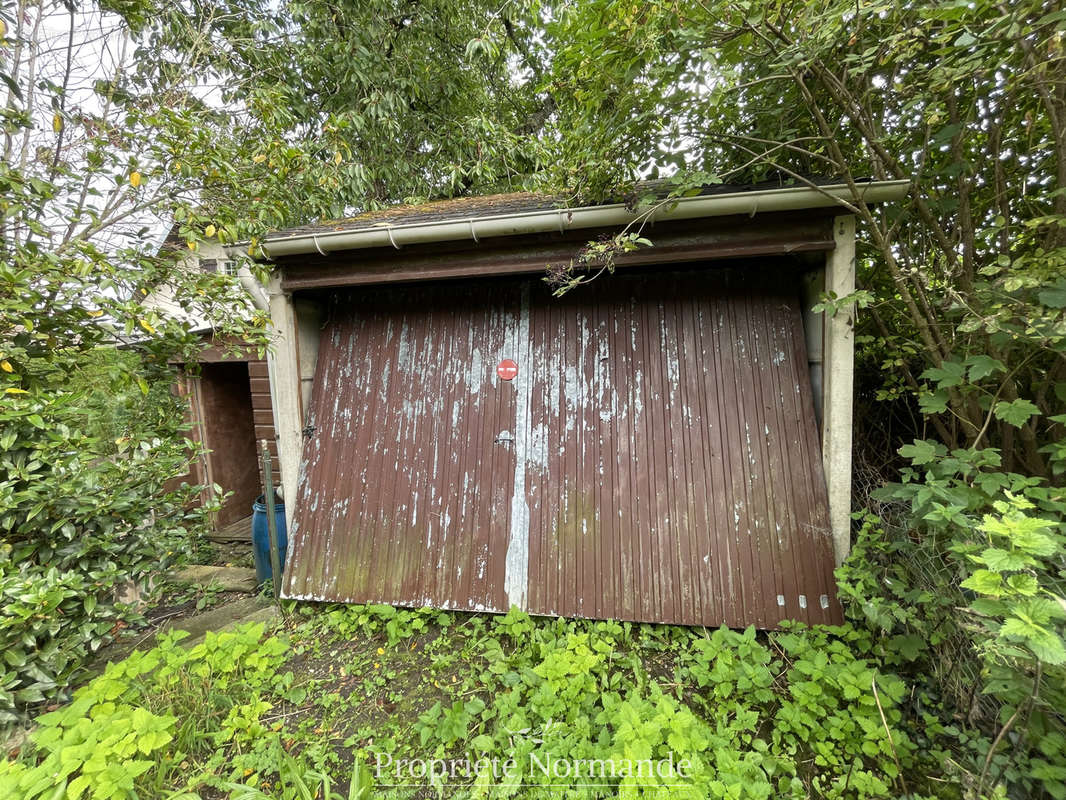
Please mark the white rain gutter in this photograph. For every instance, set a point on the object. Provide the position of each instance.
(564, 219)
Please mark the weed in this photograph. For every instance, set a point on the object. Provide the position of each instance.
(575, 708)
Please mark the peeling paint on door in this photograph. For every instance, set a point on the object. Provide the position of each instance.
(664, 464)
(516, 566)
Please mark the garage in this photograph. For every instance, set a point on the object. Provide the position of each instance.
(653, 446)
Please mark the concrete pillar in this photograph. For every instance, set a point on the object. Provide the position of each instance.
(288, 408)
(838, 388)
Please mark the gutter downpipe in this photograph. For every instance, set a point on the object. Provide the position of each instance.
(254, 289)
(559, 220)
(813, 331)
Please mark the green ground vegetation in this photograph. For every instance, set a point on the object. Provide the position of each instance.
(357, 699)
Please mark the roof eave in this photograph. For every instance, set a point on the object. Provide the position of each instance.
(484, 227)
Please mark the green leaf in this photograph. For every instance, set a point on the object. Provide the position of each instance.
(31, 694)
(1029, 534)
(1054, 296)
(1001, 560)
(77, 786)
(981, 366)
(990, 607)
(1042, 609)
(933, 402)
(909, 646)
(922, 451)
(1016, 413)
(984, 582)
(948, 374)
(991, 482)
(1023, 584)
(1045, 644)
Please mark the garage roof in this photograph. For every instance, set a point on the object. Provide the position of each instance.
(527, 212)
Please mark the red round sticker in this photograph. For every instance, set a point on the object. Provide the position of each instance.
(507, 370)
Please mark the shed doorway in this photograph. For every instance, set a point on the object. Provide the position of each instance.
(229, 435)
(655, 458)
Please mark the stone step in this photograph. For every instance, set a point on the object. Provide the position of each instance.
(230, 579)
(239, 612)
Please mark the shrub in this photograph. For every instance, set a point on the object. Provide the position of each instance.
(76, 524)
(962, 580)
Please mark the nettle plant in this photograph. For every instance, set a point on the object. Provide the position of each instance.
(1011, 560)
(1005, 533)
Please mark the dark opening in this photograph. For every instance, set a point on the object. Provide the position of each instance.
(230, 436)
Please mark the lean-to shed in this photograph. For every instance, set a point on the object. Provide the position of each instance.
(670, 443)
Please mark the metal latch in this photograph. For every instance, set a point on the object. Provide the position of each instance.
(504, 437)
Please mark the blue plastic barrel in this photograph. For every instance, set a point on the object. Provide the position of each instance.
(261, 538)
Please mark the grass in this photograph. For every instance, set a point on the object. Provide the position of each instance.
(371, 701)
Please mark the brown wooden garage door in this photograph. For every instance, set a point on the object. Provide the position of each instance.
(654, 459)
